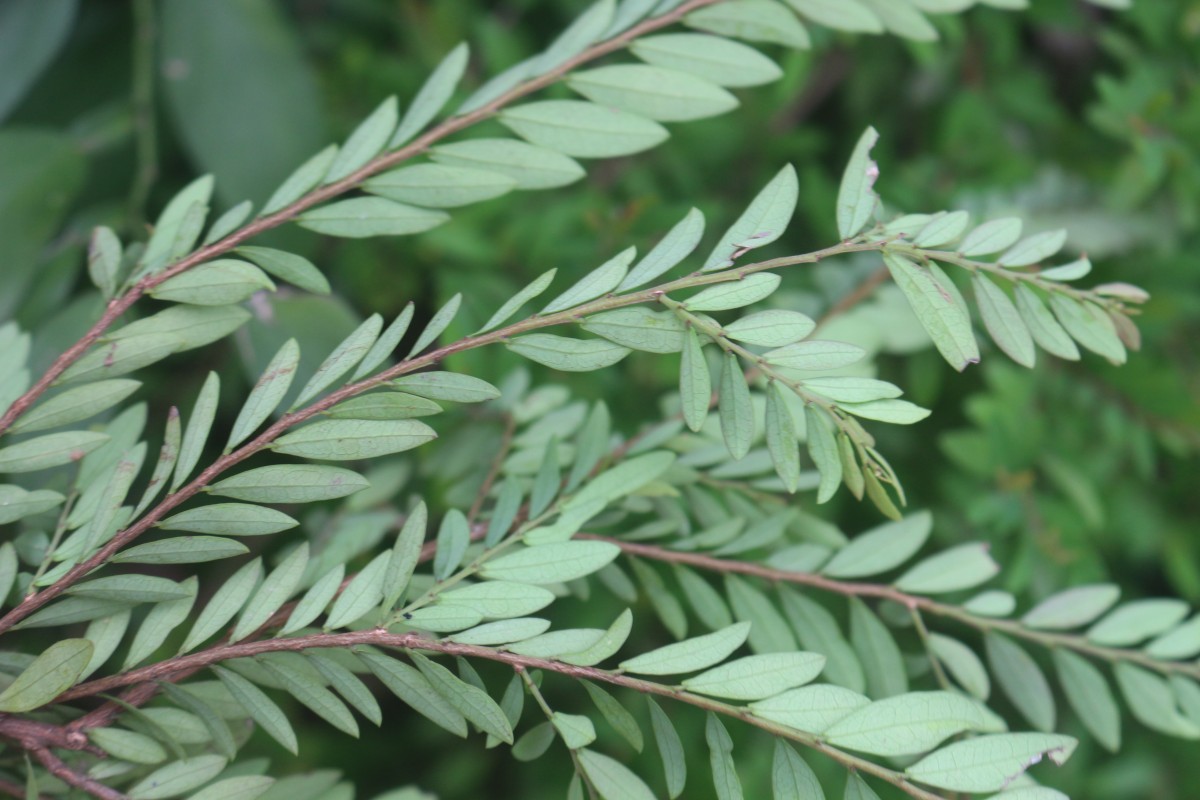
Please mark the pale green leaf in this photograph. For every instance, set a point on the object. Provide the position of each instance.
(229, 222)
(877, 651)
(1022, 680)
(294, 269)
(104, 260)
(856, 199)
(300, 182)
(361, 217)
(704, 600)
(991, 237)
(158, 624)
(961, 567)
(53, 672)
(858, 789)
(773, 328)
(607, 645)
(735, 409)
(557, 643)
(433, 95)
(576, 731)
(178, 777)
(906, 724)
(758, 676)
(791, 777)
(267, 393)
(734, 294)
(385, 344)
(344, 357)
(622, 479)
(1089, 325)
(897, 412)
(534, 289)
(128, 746)
(720, 759)
(1068, 272)
(942, 229)
(781, 438)
(173, 228)
(587, 28)
(1072, 607)
(470, 701)
(566, 354)
(1043, 327)
(1177, 644)
(602, 280)
(196, 432)
(810, 708)
(945, 320)
(639, 328)
(612, 779)
(384, 406)
(752, 20)
(406, 553)
(229, 519)
(989, 763)
(242, 787)
(499, 599)
(763, 221)
(1134, 622)
(362, 594)
(365, 142)
(820, 632)
(710, 58)
(769, 631)
(454, 535)
(447, 386)
(225, 603)
(219, 732)
(1033, 249)
(443, 618)
(505, 631)
(347, 685)
(415, 690)
(992, 603)
(815, 354)
(290, 483)
(677, 245)
(962, 664)
(302, 682)
(691, 654)
(16, 503)
(274, 591)
(846, 15)
(551, 563)
(1003, 321)
(74, 405)
(582, 129)
(51, 450)
(670, 750)
(315, 600)
(695, 384)
(181, 550)
(215, 283)
(351, 439)
(660, 94)
(437, 325)
(1089, 694)
(530, 166)
(440, 186)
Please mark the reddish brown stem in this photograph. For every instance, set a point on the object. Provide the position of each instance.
(59, 769)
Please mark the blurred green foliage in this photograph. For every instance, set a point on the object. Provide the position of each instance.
(1065, 114)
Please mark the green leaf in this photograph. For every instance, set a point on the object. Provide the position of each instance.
(229, 222)
(178, 777)
(856, 199)
(349, 352)
(499, 599)
(545, 488)
(583, 130)
(558, 643)
(534, 743)
(1072, 608)
(1022, 680)
(16, 503)
(1089, 694)
(215, 283)
(846, 15)
(576, 731)
(454, 535)
(758, 676)
(944, 319)
(781, 438)
(294, 269)
(104, 260)
(720, 759)
(230, 519)
(897, 412)
(362, 594)
(443, 618)
(810, 708)
(709, 58)
(172, 224)
(962, 663)
(158, 624)
(616, 715)
(1089, 325)
(992, 603)
(347, 685)
(314, 601)
(566, 354)
(906, 724)
(300, 681)
(602, 280)
(267, 393)
(74, 405)
(505, 631)
(991, 237)
(1043, 327)
(612, 779)
(881, 660)
(791, 777)
(227, 601)
(437, 325)
(677, 245)
(623, 478)
(670, 750)
(773, 328)
(242, 787)
(819, 632)
(704, 600)
(607, 645)
(695, 384)
(1152, 701)
(1132, 623)
(305, 178)
(735, 409)
(530, 166)
(384, 406)
(51, 450)
(8, 570)
(989, 763)
(660, 94)
(858, 789)
(439, 186)
(167, 456)
(587, 28)
(415, 690)
(218, 729)
(952, 570)
(639, 328)
(290, 483)
(551, 563)
(53, 672)
(1003, 321)
(470, 701)
(691, 654)
(196, 432)
(942, 228)
(406, 553)
(1068, 272)
(1033, 249)
(752, 20)
(365, 142)
(385, 344)
(351, 439)
(763, 221)
(769, 632)
(362, 217)
(273, 593)
(1177, 644)
(447, 386)
(128, 746)
(539, 285)
(181, 550)
(432, 95)
(816, 354)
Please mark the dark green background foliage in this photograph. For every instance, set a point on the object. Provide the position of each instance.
(1066, 114)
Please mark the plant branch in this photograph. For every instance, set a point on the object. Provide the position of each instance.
(884, 592)
(59, 769)
(119, 305)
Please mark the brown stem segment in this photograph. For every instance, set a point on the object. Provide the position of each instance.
(59, 769)
(120, 305)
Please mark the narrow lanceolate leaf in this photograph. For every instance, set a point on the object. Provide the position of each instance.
(300, 681)
(989, 763)
(173, 228)
(758, 676)
(181, 550)
(1134, 622)
(534, 289)
(532, 167)
(242, 787)
(781, 438)
(587, 28)
(639, 328)
(906, 724)
(415, 690)
(290, 483)
(944, 319)
(315, 600)
(1090, 696)
(437, 325)
(361, 217)
(196, 432)
(227, 602)
(1022, 680)
(294, 269)
(104, 260)
(603, 279)
(8, 570)
(1003, 321)
(583, 130)
(128, 746)
(661, 94)
(962, 664)
(51, 450)
(1089, 325)
(16, 503)
(440, 185)
(1043, 327)
(736, 294)
(720, 759)
(735, 409)
(229, 222)
(230, 519)
(856, 199)
(670, 750)
(710, 58)
(432, 95)
(952, 570)
(273, 593)
(815, 354)
(50, 674)
(366, 141)
(267, 393)
(447, 386)
(810, 708)
(345, 683)
(505, 631)
(551, 563)
(406, 553)
(612, 779)
(691, 654)
(470, 701)
(791, 777)
(878, 652)
(216, 283)
(351, 440)
(385, 344)
(348, 353)
(1033, 249)
(991, 237)
(1072, 608)
(763, 221)
(673, 248)
(624, 478)
(384, 406)
(774, 328)
(74, 405)
(158, 624)
(752, 20)
(178, 778)
(454, 535)
(566, 354)
(218, 730)
(168, 454)
(362, 594)
(695, 384)
(822, 448)
(306, 177)
(897, 412)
